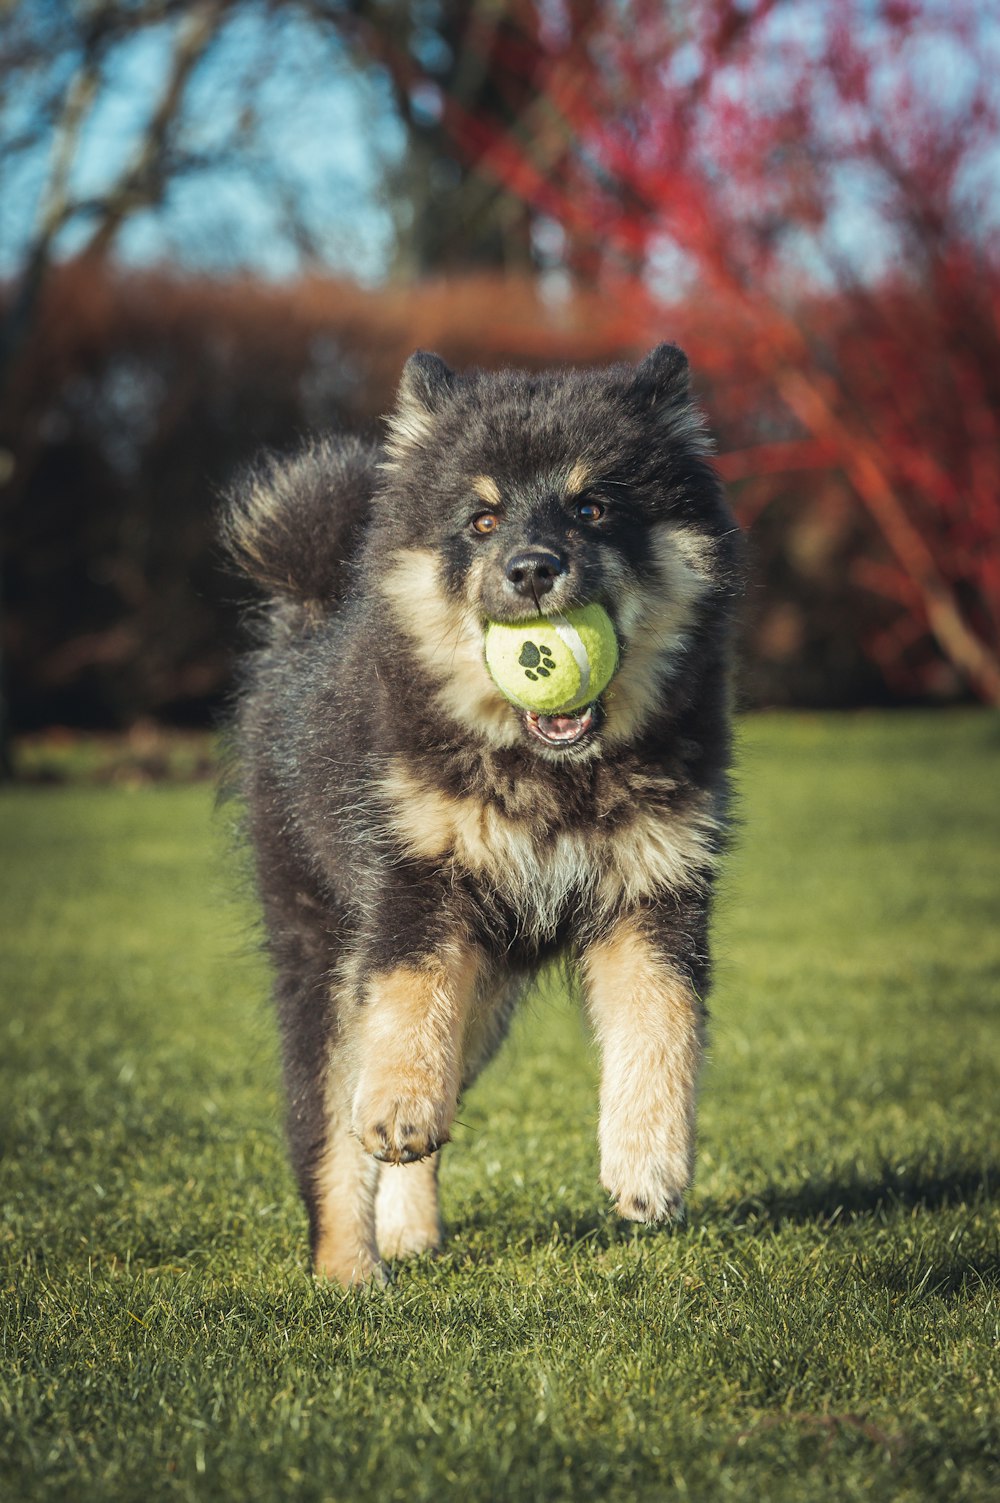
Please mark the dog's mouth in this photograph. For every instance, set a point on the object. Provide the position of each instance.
(561, 730)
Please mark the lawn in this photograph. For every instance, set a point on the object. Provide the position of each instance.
(824, 1326)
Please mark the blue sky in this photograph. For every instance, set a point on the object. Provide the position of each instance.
(329, 133)
(325, 127)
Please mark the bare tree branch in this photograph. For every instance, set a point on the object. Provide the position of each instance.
(142, 182)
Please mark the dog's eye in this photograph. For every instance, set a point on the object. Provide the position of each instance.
(590, 511)
(486, 522)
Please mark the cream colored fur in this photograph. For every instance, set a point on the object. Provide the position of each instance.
(346, 1180)
(448, 640)
(648, 1024)
(654, 623)
(537, 872)
(407, 1221)
(410, 1048)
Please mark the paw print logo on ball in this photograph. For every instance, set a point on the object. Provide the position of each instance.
(537, 662)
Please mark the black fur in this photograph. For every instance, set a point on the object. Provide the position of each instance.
(293, 525)
(342, 689)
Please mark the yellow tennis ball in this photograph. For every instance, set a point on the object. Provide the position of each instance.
(553, 663)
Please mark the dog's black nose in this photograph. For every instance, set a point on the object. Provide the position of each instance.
(535, 571)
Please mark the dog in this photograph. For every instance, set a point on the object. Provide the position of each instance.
(421, 844)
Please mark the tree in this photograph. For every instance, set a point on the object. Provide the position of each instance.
(714, 157)
(65, 53)
(481, 64)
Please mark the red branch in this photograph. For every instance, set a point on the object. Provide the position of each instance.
(717, 141)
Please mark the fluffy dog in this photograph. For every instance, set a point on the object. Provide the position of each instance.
(421, 844)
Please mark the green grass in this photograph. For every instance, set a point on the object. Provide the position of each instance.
(825, 1325)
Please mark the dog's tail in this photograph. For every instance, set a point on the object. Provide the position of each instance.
(294, 525)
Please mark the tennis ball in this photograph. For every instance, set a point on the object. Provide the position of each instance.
(556, 663)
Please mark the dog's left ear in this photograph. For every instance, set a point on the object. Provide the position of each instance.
(664, 377)
(424, 388)
(662, 385)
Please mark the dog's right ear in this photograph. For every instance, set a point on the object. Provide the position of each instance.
(662, 385)
(426, 381)
(424, 388)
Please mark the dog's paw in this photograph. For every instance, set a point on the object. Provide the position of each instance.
(340, 1262)
(651, 1206)
(400, 1127)
(651, 1190)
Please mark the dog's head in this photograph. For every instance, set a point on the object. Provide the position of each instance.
(511, 495)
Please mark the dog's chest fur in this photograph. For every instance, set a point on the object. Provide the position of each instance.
(590, 840)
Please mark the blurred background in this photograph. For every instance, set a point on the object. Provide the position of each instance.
(225, 225)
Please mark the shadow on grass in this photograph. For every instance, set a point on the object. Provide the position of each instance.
(854, 1197)
(828, 1203)
(486, 1233)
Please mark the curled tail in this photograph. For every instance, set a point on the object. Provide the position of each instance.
(294, 524)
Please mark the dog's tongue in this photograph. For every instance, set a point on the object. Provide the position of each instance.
(558, 726)
(561, 730)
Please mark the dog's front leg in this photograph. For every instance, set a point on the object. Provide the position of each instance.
(410, 1037)
(641, 980)
(395, 1070)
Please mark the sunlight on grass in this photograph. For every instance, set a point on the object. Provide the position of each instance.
(825, 1325)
